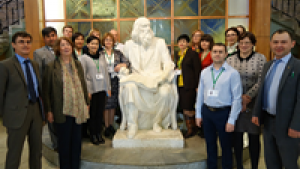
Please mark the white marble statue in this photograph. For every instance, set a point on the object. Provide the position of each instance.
(148, 94)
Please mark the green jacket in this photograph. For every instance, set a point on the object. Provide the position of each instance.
(53, 89)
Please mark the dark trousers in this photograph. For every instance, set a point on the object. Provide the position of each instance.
(32, 127)
(69, 143)
(97, 108)
(254, 149)
(280, 151)
(214, 123)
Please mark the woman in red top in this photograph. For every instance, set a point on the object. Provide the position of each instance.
(206, 44)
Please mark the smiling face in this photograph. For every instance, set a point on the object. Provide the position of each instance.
(108, 42)
(182, 44)
(245, 45)
(93, 46)
(22, 46)
(205, 45)
(65, 48)
(281, 44)
(79, 42)
(67, 32)
(196, 37)
(50, 39)
(231, 37)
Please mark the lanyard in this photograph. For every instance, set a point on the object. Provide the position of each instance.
(97, 62)
(213, 77)
(109, 58)
(78, 53)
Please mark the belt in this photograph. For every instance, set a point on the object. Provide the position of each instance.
(217, 108)
(270, 115)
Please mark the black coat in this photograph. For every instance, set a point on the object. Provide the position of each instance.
(190, 68)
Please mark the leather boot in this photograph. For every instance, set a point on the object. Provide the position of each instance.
(191, 126)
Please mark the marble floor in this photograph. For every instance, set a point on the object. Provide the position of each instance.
(48, 165)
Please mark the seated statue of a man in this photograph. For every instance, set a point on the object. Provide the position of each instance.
(148, 89)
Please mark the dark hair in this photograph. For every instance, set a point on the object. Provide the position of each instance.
(22, 34)
(250, 35)
(282, 31)
(108, 35)
(221, 44)
(89, 39)
(67, 26)
(46, 31)
(208, 38)
(57, 45)
(76, 35)
(241, 26)
(233, 29)
(183, 36)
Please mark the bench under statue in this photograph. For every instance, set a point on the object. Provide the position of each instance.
(148, 94)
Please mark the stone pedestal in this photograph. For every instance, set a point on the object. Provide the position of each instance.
(149, 139)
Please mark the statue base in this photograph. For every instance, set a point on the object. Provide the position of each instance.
(149, 139)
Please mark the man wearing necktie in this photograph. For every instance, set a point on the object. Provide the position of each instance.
(20, 103)
(278, 104)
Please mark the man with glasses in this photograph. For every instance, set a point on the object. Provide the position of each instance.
(20, 104)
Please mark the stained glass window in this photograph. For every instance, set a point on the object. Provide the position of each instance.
(105, 26)
(158, 8)
(125, 33)
(214, 27)
(78, 9)
(131, 8)
(82, 27)
(103, 9)
(212, 7)
(187, 26)
(185, 7)
(162, 28)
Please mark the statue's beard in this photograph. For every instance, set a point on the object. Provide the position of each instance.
(146, 38)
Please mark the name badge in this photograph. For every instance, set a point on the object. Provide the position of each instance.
(212, 93)
(177, 72)
(99, 76)
(110, 69)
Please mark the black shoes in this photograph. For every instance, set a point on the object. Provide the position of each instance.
(97, 139)
(109, 131)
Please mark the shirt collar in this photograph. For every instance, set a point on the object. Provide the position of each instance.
(286, 58)
(248, 58)
(20, 59)
(184, 52)
(224, 66)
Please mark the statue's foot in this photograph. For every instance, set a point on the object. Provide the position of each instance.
(131, 131)
(123, 126)
(174, 126)
(157, 128)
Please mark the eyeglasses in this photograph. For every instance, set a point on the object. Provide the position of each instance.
(230, 35)
(23, 41)
(244, 43)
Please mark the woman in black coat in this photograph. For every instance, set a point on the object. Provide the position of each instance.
(189, 67)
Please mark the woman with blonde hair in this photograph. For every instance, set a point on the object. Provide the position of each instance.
(196, 37)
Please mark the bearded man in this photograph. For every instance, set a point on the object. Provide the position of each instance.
(148, 95)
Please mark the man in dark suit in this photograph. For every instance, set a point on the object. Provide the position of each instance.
(278, 104)
(43, 56)
(20, 104)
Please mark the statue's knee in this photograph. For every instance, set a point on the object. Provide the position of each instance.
(130, 87)
(165, 91)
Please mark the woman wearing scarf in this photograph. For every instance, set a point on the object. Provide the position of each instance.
(66, 102)
(98, 84)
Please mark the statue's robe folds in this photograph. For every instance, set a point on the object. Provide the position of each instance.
(148, 94)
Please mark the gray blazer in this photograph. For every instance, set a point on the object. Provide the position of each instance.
(13, 92)
(90, 71)
(43, 56)
(288, 105)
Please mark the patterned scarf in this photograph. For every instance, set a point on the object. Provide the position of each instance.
(73, 98)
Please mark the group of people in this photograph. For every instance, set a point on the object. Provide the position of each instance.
(226, 91)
